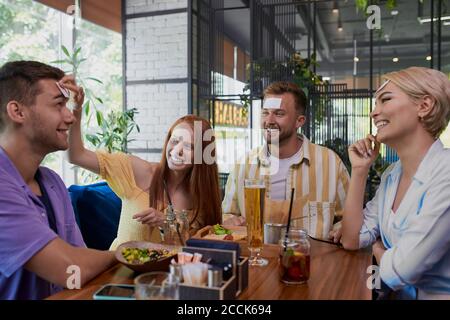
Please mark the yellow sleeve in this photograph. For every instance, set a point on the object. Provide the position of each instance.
(116, 169)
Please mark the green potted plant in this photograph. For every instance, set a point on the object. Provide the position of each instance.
(114, 131)
(361, 5)
(298, 69)
(302, 70)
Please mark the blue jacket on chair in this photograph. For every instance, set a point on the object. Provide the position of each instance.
(97, 210)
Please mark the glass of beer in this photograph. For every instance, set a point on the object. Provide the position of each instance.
(254, 193)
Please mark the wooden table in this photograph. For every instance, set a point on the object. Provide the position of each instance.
(335, 274)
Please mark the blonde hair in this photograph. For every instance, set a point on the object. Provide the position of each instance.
(418, 82)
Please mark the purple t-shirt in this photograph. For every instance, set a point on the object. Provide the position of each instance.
(24, 229)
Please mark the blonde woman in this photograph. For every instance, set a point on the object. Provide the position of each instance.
(408, 221)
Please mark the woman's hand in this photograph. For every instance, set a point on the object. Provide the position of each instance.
(150, 216)
(335, 235)
(362, 154)
(378, 250)
(69, 83)
(235, 221)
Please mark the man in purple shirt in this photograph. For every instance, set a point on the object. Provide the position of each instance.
(41, 247)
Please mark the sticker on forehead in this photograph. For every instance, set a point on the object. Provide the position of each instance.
(272, 103)
(64, 91)
(382, 86)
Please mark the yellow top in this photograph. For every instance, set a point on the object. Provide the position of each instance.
(116, 169)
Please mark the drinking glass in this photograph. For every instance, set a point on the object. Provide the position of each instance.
(156, 286)
(254, 194)
(294, 262)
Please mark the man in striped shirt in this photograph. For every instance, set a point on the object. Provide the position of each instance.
(316, 174)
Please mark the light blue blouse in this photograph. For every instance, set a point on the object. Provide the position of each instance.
(417, 236)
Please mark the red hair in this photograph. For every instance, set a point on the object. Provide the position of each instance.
(202, 180)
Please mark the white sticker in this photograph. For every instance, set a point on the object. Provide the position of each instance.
(272, 103)
(63, 90)
(381, 87)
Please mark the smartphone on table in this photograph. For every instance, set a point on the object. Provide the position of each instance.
(115, 292)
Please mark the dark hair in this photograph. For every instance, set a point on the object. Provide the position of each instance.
(19, 82)
(281, 87)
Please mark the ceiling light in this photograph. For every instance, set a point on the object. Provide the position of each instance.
(428, 58)
(340, 28)
(335, 7)
(356, 59)
(395, 59)
(423, 20)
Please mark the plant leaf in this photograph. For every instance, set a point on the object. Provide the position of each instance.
(94, 79)
(87, 107)
(66, 52)
(99, 117)
(391, 4)
(77, 52)
(58, 61)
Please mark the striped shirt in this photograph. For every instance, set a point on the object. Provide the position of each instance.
(319, 177)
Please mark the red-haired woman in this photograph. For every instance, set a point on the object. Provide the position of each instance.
(187, 175)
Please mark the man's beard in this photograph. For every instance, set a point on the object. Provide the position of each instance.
(282, 136)
(42, 139)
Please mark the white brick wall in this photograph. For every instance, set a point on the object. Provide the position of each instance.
(159, 106)
(138, 6)
(156, 49)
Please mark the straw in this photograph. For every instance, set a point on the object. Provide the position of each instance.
(289, 219)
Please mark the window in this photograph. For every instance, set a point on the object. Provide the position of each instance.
(33, 31)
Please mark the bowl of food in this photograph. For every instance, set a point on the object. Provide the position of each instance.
(220, 232)
(143, 256)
